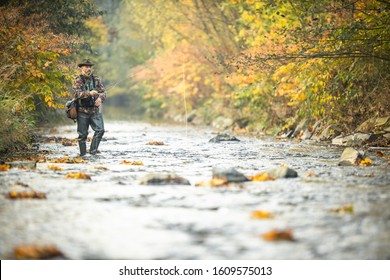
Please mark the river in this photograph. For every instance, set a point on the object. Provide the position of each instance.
(112, 216)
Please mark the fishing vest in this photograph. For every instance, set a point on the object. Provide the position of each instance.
(88, 85)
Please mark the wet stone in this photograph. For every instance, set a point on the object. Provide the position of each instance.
(350, 157)
(282, 172)
(163, 179)
(223, 137)
(229, 174)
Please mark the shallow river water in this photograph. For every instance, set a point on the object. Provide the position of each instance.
(112, 216)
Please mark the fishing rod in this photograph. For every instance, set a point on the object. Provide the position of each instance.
(122, 80)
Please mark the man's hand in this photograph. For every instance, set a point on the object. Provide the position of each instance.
(98, 102)
(93, 93)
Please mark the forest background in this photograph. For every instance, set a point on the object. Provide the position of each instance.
(264, 64)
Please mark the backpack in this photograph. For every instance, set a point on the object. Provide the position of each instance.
(71, 109)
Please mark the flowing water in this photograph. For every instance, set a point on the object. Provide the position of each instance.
(112, 216)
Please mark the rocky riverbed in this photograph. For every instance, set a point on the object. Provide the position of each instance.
(101, 207)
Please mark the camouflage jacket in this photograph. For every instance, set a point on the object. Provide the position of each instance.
(82, 85)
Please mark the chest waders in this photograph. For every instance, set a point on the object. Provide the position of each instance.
(85, 120)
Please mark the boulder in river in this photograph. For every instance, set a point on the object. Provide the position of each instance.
(350, 157)
(163, 179)
(282, 172)
(223, 137)
(231, 175)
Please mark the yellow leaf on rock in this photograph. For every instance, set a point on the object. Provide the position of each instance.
(79, 175)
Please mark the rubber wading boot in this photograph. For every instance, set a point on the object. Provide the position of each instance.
(83, 148)
(94, 146)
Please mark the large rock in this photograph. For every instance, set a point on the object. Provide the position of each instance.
(351, 157)
(223, 137)
(380, 123)
(302, 126)
(316, 130)
(282, 172)
(163, 179)
(366, 126)
(306, 134)
(374, 125)
(330, 132)
(229, 174)
(356, 139)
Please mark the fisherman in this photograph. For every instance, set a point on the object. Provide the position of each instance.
(90, 92)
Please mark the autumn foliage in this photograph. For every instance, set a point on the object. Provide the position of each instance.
(36, 65)
(263, 63)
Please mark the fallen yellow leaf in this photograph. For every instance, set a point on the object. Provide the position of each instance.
(4, 167)
(348, 208)
(258, 214)
(156, 143)
(136, 162)
(380, 154)
(79, 175)
(215, 182)
(69, 142)
(26, 194)
(261, 177)
(66, 159)
(276, 235)
(101, 168)
(311, 175)
(366, 162)
(55, 167)
(36, 252)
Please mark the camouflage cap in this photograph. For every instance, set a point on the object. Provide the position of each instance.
(85, 62)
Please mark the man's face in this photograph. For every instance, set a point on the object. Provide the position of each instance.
(87, 70)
